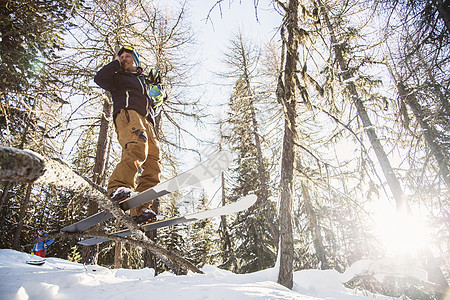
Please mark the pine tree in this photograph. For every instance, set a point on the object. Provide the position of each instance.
(200, 237)
(257, 241)
(31, 35)
(171, 238)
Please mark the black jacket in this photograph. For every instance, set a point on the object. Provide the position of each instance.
(128, 90)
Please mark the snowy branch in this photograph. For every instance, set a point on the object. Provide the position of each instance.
(20, 165)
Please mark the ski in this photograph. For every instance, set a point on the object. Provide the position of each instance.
(36, 262)
(240, 205)
(210, 168)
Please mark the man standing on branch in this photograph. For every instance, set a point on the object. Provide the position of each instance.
(137, 101)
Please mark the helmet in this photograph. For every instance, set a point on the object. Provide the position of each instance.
(133, 53)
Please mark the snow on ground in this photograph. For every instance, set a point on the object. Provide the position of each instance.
(61, 279)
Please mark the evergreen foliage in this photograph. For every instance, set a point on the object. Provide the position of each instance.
(31, 34)
(171, 238)
(200, 244)
(255, 243)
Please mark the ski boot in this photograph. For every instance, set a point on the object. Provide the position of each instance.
(146, 217)
(122, 193)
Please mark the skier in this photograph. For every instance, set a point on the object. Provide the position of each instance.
(137, 101)
(40, 248)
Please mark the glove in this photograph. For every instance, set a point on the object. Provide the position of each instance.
(45, 246)
(32, 253)
(154, 76)
(157, 96)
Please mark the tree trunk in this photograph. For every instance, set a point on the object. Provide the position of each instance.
(264, 189)
(287, 98)
(317, 236)
(19, 165)
(285, 276)
(118, 254)
(407, 96)
(261, 169)
(263, 200)
(22, 213)
(227, 247)
(102, 144)
(444, 13)
(429, 133)
(149, 258)
(90, 253)
(386, 167)
(227, 254)
(4, 197)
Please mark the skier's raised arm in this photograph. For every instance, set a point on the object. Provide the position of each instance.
(105, 76)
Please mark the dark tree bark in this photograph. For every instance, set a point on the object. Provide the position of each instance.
(444, 12)
(118, 261)
(228, 255)
(315, 228)
(149, 258)
(4, 197)
(369, 128)
(263, 200)
(286, 95)
(22, 214)
(90, 253)
(429, 133)
(227, 246)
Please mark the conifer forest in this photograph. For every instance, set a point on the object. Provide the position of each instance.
(337, 119)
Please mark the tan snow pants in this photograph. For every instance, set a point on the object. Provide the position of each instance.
(140, 150)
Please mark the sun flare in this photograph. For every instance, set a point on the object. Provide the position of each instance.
(401, 232)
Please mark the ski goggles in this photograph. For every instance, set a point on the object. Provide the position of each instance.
(40, 231)
(126, 49)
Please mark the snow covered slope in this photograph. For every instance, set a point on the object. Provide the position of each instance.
(61, 279)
